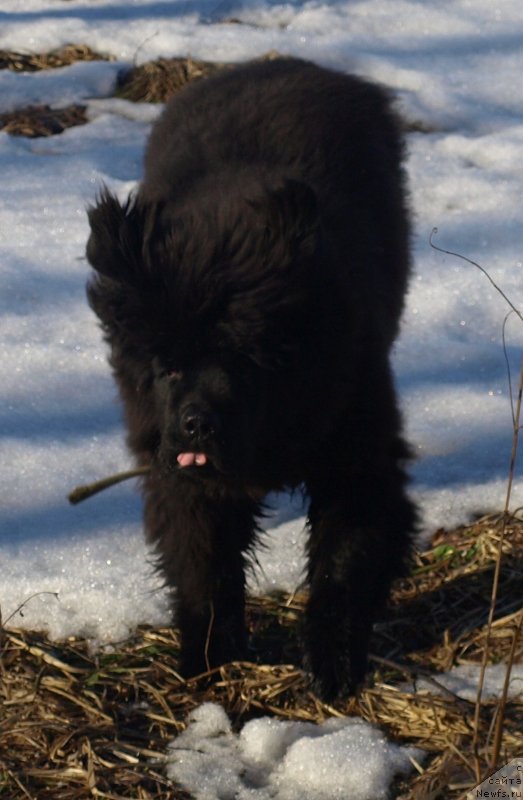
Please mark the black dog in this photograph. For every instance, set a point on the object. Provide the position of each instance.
(250, 294)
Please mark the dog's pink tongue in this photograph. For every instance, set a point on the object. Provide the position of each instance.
(190, 459)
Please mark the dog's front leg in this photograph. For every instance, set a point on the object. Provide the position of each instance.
(201, 543)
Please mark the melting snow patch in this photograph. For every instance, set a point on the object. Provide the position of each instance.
(463, 681)
(285, 760)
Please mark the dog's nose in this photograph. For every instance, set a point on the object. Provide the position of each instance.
(196, 424)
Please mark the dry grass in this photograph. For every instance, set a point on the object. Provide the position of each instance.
(152, 82)
(42, 120)
(79, 725)
(35, 121)
(62, 57)
(156, 81)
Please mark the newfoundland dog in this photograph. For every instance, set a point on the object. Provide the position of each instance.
(250, 293)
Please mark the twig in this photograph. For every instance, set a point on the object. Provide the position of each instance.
(499, 723)
(481, 269)
(494, 597)
(208, 637)
(507, 363)
(81, 493)
(498, 730)
(20, 608)
(416, 673)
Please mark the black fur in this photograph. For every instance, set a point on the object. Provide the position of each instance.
(250, 294)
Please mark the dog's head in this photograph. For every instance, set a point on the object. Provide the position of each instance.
(209, 309)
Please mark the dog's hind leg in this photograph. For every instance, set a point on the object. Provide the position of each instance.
(361, 525)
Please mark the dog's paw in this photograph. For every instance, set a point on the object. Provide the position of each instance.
(336, 673)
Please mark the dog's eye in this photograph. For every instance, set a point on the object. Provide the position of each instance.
(164, 371)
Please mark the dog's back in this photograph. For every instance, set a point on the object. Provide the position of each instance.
(338, 133)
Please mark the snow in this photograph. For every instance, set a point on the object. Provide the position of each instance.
(74, 84)
(463, 681)
(456, 66)
(286, 760)
(340, 758)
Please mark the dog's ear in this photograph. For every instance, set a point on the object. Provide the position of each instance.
(293, 214)
(115, 245)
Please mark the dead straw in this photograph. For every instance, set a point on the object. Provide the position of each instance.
(17, 61)
(157, 81)
(42, 120)
(80, 724)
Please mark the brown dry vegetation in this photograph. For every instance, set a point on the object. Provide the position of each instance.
(77, 724)
(61, 57)
(156, 81)
(35, 121)
(42, 120)
(152, 82)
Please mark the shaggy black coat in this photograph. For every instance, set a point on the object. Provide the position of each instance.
(250, 294)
